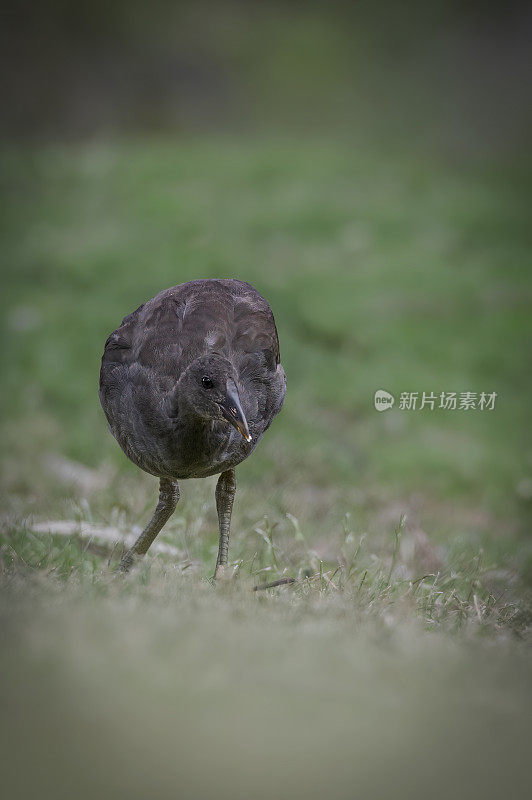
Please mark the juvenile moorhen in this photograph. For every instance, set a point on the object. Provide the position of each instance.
(189, 383)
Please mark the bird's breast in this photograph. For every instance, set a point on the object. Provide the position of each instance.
(206, 448)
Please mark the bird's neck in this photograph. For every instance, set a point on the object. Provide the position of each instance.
(179, 407)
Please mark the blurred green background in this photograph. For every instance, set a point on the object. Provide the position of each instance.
(367, 168)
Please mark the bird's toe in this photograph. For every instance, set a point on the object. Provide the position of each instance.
(223, 574)
(127, 561)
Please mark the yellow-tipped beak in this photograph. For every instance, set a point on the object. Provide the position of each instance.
(232, 410)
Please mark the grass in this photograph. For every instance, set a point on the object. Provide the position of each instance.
(404, 639)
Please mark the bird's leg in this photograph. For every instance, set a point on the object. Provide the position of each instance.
(225, 494)
(168, 497)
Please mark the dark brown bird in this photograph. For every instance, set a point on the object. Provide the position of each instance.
(189, 383)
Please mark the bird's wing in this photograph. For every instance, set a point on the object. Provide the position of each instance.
(255, 352)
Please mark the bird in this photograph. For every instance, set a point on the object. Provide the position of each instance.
(189, 384)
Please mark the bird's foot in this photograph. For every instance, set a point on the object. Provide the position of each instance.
(127, 561)
(222, 573)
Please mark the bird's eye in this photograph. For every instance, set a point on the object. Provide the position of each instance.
(206, 382)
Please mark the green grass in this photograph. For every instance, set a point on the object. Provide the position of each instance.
(403, 640)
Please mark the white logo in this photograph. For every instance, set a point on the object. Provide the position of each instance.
(383, 400)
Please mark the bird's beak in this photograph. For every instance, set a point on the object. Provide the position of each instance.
(232, 410)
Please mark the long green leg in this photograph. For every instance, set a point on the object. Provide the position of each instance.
(225, 494)
(168, 498)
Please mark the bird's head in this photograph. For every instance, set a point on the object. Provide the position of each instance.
(209, 387)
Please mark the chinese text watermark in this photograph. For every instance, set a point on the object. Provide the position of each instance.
(448, 401)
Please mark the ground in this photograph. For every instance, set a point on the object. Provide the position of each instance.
(399, 659)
